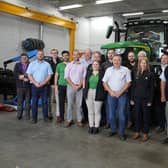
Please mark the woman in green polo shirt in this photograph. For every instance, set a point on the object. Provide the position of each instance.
(61, 84)
(94, 95)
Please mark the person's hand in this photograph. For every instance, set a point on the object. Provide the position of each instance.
(132, 102)
(112, 93)
(163, 99)
(25, 80)
(37, 84)
(21, 77)
(117, 94)
(149, 104)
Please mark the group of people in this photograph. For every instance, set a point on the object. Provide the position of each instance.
(114, 93)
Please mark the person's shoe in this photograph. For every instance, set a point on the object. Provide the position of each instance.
(33, 121)
(107, 126)
(123, 137)
(129, 125)
(136, 136)
(58, 120)
(165, 141)
(145, 137)
(50, 118)
(90, 130)
(110, 134)
(19, 117)
(68, 124)
(47, 120)
(79, 124)
(159, 130)
(95, 130)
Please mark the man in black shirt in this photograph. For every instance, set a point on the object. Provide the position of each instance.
(52, 94)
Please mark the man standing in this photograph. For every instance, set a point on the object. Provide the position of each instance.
(86, 61)
(61, 85)
(130, 64)
(109, 62)
(23, 86)
(104, 66)
(159, 107)
(53, 93)
(164, 96)
(117, 81)
(74, 74)
(39, 73)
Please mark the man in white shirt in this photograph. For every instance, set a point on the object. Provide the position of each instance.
(116, 81)
(164, 96)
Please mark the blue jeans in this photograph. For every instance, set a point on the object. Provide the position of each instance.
(117, 105)
(36, 93)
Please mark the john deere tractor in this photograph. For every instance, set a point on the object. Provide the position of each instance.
(148, 35)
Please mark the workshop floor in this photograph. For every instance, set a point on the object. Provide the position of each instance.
(46, 145)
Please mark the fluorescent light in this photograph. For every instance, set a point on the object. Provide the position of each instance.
(133, 14)
(70, 6)
(165, 11)
(107, 1)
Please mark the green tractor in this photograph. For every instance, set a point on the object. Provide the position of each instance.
(148, 35)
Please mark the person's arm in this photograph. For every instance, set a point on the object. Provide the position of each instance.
(17, 73)
(162, 89)
(45, 82)
(33, 80)
(123, 90)
(107, 88)
(151, 90)
(56, 80)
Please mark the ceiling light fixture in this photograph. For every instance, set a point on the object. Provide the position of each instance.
(165, 11)
(107, 1)
(133, 14)
(70, 6)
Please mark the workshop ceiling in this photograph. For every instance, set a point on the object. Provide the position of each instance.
(90, 9)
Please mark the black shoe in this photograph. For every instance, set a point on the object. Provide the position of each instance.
(19, 117)
(123, 137)
(33, 121)
(165, 141)
(159, 130)
(50, 118)
(95, 130)
(110, 134)
(90, 130)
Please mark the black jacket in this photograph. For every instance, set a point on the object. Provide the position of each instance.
(53, 66)
(18, 71)
(100, 93)
(143, 86)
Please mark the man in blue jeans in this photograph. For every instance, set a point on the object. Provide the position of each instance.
(116, 81)
(39, 73)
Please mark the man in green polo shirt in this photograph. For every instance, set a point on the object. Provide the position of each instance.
(61, 84)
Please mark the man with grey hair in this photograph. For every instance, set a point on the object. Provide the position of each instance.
(141, 55)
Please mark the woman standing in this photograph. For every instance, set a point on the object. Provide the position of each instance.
(94, 95)
(141, 97)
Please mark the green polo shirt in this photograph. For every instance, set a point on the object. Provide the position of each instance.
(60, 70)
(93, 81)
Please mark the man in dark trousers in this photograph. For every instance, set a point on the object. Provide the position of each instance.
(159, 107)
(54, 61)
(23, 87)
(39, 73)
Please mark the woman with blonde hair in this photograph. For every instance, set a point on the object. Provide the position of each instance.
(141, 97)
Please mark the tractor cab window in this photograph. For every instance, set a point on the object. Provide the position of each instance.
(153, 35)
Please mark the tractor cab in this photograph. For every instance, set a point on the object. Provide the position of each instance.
(148, 35)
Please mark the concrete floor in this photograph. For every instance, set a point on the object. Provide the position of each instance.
(46, 145)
